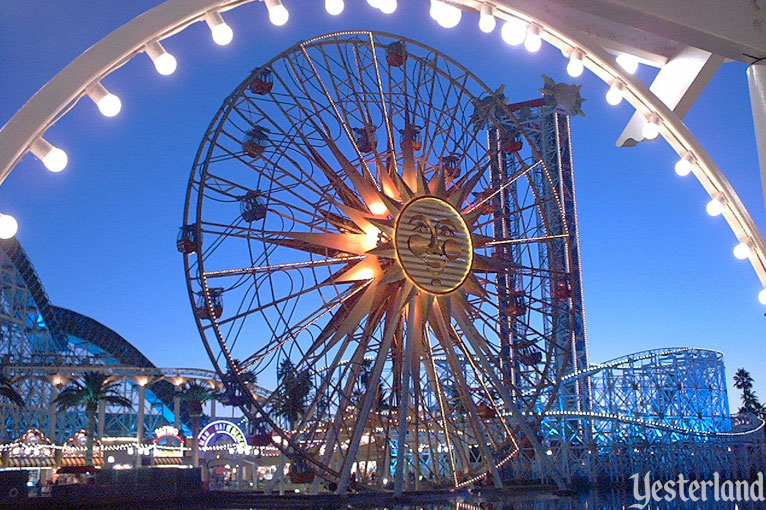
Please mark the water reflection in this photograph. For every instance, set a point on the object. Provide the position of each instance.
(597, 500)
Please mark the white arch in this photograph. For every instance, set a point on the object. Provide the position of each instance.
(172, 16)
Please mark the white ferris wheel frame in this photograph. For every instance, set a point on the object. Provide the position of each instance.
(63, 91)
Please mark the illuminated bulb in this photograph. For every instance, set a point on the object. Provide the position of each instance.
(762, 297)
(714, 207)
(130, 451)
(108, 104)
(487, 21)
(110, 459)
(652, 127)
(334, 7)
(278, 14)
(378, 208)
(221, 32)
(8, 226)
(533, 42)
(164, 62)
(684, 165)
(435, 11)
(742, 250)
(448, 16)
(365, 274)
(614, 95)
(387, 6)
(374, 3)
(514, 31)
(52, 157)
(628, 62)
(575, 65)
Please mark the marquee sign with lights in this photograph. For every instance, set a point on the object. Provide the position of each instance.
(207, 436)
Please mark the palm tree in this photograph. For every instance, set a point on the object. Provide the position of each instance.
(196, 395)
(742, 379)
(8, 392)
(744, 382)
(295, 389)
(92, 388)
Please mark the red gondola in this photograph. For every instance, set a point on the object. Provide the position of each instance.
(365, 139)
(187, 242)
(395, 55)
(511, 143)
(411, 133)
(517, 306)
(216, 298)
(300, 472)
(563, 289)
(262, 83)
(252, 206)
(450, 166)
(255, 141)
(485, 412)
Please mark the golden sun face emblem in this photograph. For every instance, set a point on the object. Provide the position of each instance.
(433, 244)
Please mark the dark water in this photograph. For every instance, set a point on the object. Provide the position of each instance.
(601, 500)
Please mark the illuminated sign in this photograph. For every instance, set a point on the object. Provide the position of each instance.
(221, 428)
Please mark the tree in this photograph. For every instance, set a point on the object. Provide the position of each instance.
(8, 392)
(293, 394)
(92, 388)
(744, 382)
(196, 394)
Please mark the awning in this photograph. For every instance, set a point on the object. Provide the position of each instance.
(168, 461)
(30, 462)
(80, 461)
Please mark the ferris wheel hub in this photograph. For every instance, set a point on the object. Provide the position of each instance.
(433, 245)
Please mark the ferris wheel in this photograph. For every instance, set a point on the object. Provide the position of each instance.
(370, 231)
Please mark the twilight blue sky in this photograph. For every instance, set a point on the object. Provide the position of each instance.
(657, 270)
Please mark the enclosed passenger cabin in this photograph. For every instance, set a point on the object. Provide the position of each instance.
(252, 206)
(563, 289)
(187, 241)
(255, 142)
(262, 83)
(411, 133)
(300, 472)
(510, 141)
(395, 55)
(517, 305)
(365, 139)
(450, 165)
(216, 302)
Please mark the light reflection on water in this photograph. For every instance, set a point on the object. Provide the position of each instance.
(588, 501)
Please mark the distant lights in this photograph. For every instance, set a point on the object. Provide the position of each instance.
(628, 62)
(575, 66)
(533, 42)
(108, 104)
(487, 21)
(446, 15)
(278, 14)
(652, 127)
(8, 226)
(164, 62)
(514, 31)
(685, 165)
(52, 157)
(614, 95)
(742, 250)
(716, 205)
(221, 32)
(334, 7)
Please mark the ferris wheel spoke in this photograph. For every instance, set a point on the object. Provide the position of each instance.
(279, 267)
(397, 304)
